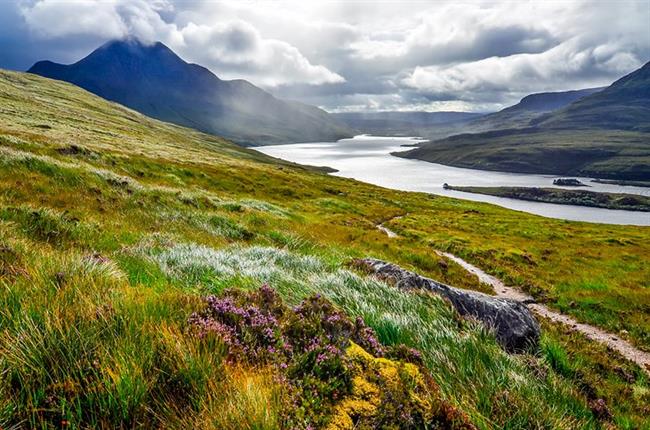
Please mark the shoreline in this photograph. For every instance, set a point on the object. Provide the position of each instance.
(574, 197)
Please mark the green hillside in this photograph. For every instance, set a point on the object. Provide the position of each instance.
(624, 105)
(612, 154)
(114, 228)
(604, 135)
(528, 109)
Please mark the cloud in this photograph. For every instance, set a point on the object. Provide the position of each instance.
(570, 65)
(108, 19)
(345, 55)
(234, 49)
(237, 49)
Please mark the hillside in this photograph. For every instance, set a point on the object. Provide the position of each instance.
(630, 202)
(605, 135)
(528, 108)
(133, 255)
(155, 81)
(624, 105)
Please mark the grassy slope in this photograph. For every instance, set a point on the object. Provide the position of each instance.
(597, 153)
(566, 197)
(81, 176)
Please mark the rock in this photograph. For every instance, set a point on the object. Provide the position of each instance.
(515, 326)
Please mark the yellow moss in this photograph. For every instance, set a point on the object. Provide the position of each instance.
(358, 354)
(374, 378)
(349, 408)
(364, 389)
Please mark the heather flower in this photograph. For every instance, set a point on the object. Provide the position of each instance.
(307, 344)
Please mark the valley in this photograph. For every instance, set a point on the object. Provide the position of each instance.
(116, 226)
(369, 159)
(324, 215)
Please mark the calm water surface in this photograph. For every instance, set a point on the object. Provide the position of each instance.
(368, 159)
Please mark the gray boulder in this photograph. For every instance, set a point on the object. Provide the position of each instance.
(515, 326)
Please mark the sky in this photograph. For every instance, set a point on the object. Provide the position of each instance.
(357, 55)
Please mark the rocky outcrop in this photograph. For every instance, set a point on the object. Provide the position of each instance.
(515, 327)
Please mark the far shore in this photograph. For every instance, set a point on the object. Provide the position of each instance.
(630, 202)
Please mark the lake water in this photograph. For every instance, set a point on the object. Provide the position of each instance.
(368, 159)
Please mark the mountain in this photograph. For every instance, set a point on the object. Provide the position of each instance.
(529, 108)
(437, 125)
(624, 105)
(416, 118)
(605, 134)
(155, 81)
(392, 122)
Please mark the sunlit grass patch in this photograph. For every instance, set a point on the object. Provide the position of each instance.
(118, 181)
(251, 399)
(228, 228)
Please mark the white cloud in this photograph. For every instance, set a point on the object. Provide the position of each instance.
(570, 65)
(237, 49)
(389, 54)
(56, 19)
(233, 49)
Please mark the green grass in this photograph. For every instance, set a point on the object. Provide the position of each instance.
(596, 153)
(106, 249)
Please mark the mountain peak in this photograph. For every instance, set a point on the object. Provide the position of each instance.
(152, 79)
(134, 51)
(133, 45)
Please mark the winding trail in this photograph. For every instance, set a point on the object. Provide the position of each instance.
(613, 342)
(390, 233)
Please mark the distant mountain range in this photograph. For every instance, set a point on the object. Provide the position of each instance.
(155, 81)
(437, 125)
(604, 134)
(402, 123)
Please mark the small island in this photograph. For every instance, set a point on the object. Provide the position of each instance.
(630, 202)
(568, 182)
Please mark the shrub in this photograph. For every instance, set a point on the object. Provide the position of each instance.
(337, 372)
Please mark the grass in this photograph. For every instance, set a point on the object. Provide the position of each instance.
(611, 154)
(598, 374)
(113, 226)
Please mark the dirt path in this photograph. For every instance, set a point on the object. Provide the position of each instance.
(623, 347)
(390, 233)
(613, 342)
